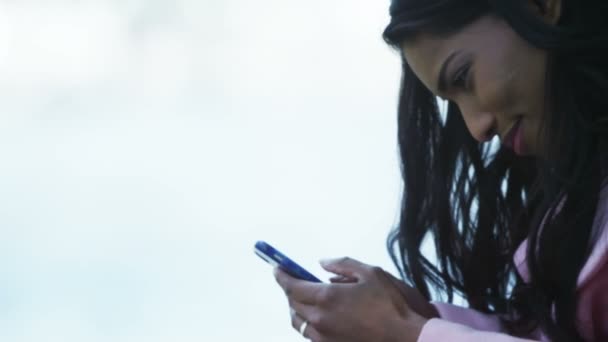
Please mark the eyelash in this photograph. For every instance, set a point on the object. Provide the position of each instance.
(462, 77)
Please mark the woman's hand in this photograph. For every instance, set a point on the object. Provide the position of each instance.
(413, 297)
(371, 308)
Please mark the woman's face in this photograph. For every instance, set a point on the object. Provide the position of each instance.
(496, 78)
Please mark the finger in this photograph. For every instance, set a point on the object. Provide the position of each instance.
(340, 279)
(298, 290)
(307, 312)
(310, 332)
(347, 267)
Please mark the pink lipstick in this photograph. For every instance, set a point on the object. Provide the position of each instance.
(514, 138)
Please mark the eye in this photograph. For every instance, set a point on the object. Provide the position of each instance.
(461, 78)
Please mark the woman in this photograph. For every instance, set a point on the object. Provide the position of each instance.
(520, 227)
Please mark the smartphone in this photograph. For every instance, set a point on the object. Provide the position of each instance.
(278, 259)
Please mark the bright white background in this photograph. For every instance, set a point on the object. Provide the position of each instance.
(145, 145)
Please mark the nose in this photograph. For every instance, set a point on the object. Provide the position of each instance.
(481, 125)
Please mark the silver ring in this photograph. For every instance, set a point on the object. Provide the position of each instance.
(303, 328)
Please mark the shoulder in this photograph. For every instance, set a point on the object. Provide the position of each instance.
(599, 253)
(593, 305)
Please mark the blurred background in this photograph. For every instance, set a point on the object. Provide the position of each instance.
(145, 145)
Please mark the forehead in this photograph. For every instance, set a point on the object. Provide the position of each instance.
(425, 52)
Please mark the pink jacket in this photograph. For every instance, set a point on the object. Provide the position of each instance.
(461, 324)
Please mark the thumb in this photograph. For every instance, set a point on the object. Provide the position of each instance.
(346, 267)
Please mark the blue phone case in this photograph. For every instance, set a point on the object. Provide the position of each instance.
(276, 258)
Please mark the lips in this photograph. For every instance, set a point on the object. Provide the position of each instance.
(514, 138)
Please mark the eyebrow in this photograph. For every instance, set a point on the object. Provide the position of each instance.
(442, 82)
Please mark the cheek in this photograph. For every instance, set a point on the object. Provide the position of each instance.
(496, 91)
(516, 83)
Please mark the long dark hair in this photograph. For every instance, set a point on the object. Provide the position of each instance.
(478, 202)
